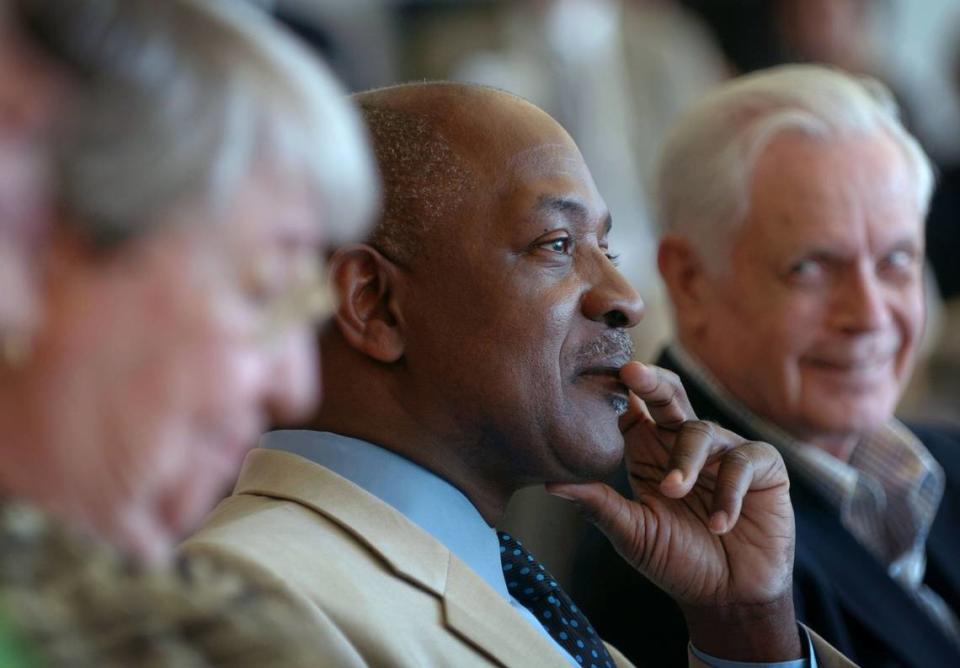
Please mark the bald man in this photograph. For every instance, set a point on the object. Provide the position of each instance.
(480, 346)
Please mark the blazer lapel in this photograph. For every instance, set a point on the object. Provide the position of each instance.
(943, 544)
(472, 609)
(943, 550)
(863, 586)
(483, 618)
(408, 550)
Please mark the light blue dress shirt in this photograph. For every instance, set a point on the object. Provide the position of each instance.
(438, 508)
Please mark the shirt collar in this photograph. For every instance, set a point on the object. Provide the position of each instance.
(420, 495)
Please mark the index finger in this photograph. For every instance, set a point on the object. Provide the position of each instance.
(661, 392)
(636, 413)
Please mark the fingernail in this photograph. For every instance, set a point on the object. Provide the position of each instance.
(674, 478)
(560, 495)
(719, 521)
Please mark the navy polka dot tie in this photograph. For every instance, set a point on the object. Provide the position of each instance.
(530, 583)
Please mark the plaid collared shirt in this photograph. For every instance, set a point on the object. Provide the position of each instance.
(887, 494)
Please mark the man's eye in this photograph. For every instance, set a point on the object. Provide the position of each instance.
(899, 260)
(561, 245)
(806, 270)
(614, 258)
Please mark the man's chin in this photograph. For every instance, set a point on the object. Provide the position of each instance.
(843, 423)
(598, 462)
(863, 414)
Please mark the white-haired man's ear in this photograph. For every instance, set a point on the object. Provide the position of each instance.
(367, 314)
(687, 278)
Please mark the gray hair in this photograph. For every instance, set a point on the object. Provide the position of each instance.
(176, 103)
(424, 177)
(703, 180)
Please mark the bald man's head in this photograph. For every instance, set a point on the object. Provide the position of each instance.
(486, 360)
(426, 177)
(441, 146)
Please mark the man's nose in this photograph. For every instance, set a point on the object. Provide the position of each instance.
(293, 383)
(860, 303)
(611, 299)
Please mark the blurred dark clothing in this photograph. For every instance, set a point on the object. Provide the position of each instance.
(840, 590)
(311, 32)
(67, 600)
(745, 30)
(943, 233)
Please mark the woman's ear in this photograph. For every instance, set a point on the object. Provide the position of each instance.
(367, 314)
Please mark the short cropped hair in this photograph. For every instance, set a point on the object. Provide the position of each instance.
(176, 102)
(425, 178)
(703, 180)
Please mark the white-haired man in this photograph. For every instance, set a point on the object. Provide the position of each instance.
(793, 204)
(201, 164)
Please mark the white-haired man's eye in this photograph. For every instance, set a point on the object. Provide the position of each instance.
(806, 272)
(900, 259)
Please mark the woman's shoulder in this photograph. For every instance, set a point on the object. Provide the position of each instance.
(76, 601)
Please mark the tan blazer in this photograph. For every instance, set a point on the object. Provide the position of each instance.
(394, 595)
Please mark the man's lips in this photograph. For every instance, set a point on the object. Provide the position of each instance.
(850, 365)
(607, 375)
(855, 357)
(612, 370)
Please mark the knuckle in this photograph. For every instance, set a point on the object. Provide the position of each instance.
(739, 457)
(701, 428)
(672, 378)
(658, 403)
(767, 451)
(666, 382)
(657, 381)
(726, 488)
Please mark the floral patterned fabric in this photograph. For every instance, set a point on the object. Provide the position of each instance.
(66, 600)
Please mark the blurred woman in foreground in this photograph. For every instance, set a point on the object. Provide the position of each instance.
(29, 96)
(200, 162)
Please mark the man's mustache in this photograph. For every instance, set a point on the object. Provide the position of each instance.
(613, 349)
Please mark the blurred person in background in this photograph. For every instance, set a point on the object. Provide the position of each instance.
(793, 202)
(943, 248)
(943, 225)
(834, 32)
(755, 34)
(200, 161)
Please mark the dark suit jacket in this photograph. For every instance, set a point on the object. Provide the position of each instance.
(841, 591)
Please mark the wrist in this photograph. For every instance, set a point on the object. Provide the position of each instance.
(759, 632)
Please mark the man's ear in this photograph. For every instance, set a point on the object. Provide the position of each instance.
(367, 314)
(688, 282)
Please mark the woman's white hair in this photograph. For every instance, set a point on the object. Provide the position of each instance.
(176, 103)
(703, 180)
